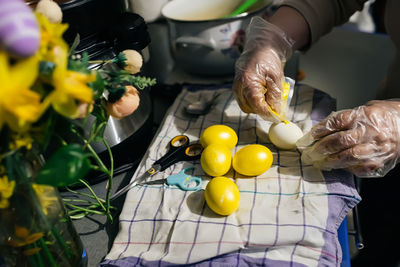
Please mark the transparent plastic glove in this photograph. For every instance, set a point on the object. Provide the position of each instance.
(364, 140)
(259, 70)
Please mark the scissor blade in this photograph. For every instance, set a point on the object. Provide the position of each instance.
(142, 178)
(155, 182)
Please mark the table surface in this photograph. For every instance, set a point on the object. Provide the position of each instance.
(96, 233)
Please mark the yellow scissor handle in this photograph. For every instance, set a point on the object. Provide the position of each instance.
(179, 140)
(194, 150)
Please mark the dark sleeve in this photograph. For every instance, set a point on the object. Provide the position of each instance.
(323, 15)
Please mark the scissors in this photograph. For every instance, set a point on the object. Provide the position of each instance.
(180, 149)
(182, 180)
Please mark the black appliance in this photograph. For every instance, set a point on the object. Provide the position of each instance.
(105, 29)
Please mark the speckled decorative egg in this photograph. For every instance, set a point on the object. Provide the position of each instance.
(19, 30)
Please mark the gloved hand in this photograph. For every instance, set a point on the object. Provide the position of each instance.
(259, 70)
(364, 140)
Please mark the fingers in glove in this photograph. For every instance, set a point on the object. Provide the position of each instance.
(337, 121)
(240, 99)
(273, 81)
(369, 168)
(354, 156)
(273, 95)
(339, 141)
(250, 94)
(329, 145)
(255, 92)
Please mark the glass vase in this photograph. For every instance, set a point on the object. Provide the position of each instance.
(35, 229)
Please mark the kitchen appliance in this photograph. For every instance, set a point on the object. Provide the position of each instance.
(203, 40)
(105, 30)
(150, 10)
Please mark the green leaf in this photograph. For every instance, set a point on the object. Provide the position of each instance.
(98, 86)
(66, 166)
(97, 131)
(75, 44)
(80, 65)
(142, 82)
(99, 124)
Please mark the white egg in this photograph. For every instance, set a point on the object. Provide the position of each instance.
(285, 135)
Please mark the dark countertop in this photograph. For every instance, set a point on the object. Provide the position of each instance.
(97, 234)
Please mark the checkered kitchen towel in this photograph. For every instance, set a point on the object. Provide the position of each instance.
(287, 216)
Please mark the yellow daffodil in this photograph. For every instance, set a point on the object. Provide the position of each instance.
(70, 87)
(21, 140)
(70, 90)
(19, 106)
(6, 191)
(46, 196)
(51, 38)
(23, 237)
(31, 251)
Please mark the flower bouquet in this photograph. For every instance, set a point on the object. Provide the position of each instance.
(45, 101)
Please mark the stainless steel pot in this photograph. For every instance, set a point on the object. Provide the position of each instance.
(207, 46)
(119, 131)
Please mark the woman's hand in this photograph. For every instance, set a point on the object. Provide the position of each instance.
(364, 140)
(259, 70)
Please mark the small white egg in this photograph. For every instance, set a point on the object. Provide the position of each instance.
(285, 135)
(134, 61)
(51, 10)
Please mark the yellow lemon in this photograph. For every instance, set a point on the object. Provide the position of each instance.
(252, 160)
(222, 195)
(219, 134)
(216, 160)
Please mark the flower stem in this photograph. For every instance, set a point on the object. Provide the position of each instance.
(85, 194)
(61, 241)
(85, 209)
(102, 168)
(47, 252)
(32, 260)
(110, 176)
(80, 209)
(94, 154)
(98, 160)
(39, 259)
(77, 200)
(94, 194)
(99, 61)
(78, 216)
(99, 128)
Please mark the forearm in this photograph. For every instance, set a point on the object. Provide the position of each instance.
(293, 24)
(305, 21)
